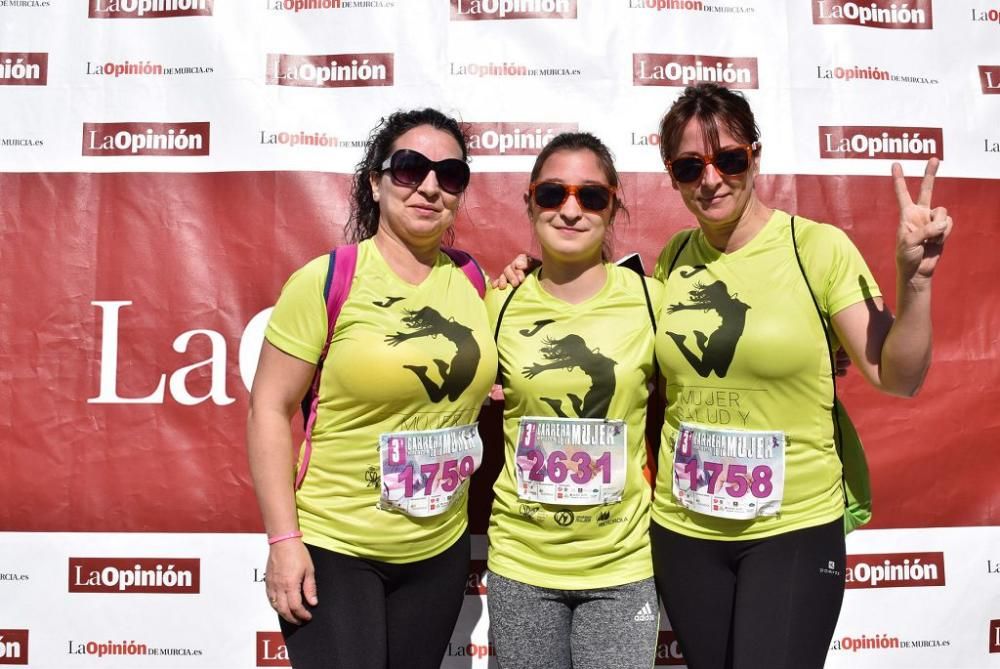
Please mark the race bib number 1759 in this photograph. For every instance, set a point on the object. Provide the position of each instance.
(423, 472)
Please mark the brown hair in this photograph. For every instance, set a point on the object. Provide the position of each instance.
(712, 105)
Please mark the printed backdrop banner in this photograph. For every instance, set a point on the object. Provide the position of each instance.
(166, 164)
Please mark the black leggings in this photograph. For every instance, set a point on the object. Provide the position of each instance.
(759, 604)
(374, 615)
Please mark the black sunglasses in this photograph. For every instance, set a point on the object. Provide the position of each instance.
(552, 195)
(730, 162)
(410, 168)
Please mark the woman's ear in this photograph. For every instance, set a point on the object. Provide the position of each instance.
(373, 179)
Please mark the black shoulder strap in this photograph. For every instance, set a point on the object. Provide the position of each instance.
(649, 302)
(819, 312)
(673, 261)
(829, 349)
(634, 263)
(329, 275)
(503, 307)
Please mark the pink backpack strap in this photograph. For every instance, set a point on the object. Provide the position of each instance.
(468, 265)
(343, 262)
(340, 275)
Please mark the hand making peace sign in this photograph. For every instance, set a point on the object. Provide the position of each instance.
(922, 230)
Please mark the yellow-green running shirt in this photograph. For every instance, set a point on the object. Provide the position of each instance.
(374, 381)
(598, 358)
(741, 347)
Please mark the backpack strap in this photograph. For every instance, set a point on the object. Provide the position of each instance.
(634, 262)
(468, 265)
(498, 394)
(822, 319)
(654, 407)
(339, 276)
(673, 261)
(825, 323)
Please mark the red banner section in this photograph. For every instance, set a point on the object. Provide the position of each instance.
(915, 15)
(14, 647)
(497, 10)
(133, 306)
(149, 9)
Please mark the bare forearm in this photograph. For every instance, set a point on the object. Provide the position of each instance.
(269, 446)
(906, 354)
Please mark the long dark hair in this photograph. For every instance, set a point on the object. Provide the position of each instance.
(363, 220)
(584, 141)
(712, 105)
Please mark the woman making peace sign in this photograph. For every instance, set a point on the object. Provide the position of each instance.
(747, 523)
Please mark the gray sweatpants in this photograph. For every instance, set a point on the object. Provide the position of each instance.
(573, 629)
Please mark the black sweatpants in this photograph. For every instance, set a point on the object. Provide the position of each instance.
(758, 604)
(377, 615)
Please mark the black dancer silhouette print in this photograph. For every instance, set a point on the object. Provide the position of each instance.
(569, 352)
(457, 375)
(717, 349)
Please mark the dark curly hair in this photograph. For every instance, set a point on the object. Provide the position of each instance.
(712, 105)
(585, 141)
(364, 216)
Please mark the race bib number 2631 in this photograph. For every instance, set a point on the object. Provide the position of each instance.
(573, 461)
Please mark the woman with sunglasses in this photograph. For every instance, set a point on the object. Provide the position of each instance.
(748, 529)
(369, 556)
(570, 581)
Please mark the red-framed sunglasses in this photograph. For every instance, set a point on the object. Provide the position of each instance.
(553, 194)
(730, 162)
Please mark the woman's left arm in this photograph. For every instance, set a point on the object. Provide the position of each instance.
(894, 353)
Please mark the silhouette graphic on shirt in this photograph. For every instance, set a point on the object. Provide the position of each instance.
(569, 352)
(535, 330)
(456, 375)
(718, 348)
(387, 302)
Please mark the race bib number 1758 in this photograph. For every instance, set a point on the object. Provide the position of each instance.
(736, 474)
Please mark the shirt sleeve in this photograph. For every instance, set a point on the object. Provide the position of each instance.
(838, 273)
(298, 323)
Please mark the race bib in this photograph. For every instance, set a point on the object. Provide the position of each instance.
(737, 474)
(424, 472)
(572, 461)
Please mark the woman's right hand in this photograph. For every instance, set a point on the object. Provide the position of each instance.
(291, 581)
(514, 273)
(922, 231)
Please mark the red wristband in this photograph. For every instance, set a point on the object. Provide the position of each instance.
(282, 537)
